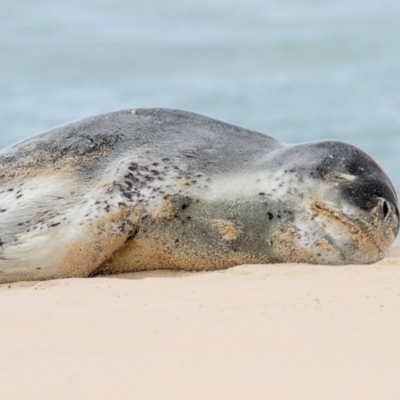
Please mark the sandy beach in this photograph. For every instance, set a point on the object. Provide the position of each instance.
(288, 331)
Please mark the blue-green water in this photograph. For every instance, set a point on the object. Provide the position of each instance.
(299, 70)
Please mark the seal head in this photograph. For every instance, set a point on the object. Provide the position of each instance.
(353, 199)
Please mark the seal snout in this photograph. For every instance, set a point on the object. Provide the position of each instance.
(382, 208)
(387, 213)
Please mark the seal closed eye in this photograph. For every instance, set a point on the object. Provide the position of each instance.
(158, 188)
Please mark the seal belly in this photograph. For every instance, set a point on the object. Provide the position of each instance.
(195, 234)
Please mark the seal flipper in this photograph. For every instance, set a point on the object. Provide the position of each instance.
(103, 237)
(66, 249)
(61, 228)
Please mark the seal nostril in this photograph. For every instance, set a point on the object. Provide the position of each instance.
(385, 209)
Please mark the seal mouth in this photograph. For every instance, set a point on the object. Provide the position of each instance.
(322, 210)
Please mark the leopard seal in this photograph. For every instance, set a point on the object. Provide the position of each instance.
(159, 188)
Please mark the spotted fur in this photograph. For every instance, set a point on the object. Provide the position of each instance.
(155, 188)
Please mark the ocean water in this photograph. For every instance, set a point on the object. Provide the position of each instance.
(298, 70)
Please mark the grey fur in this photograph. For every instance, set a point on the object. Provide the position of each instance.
(184, 191)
